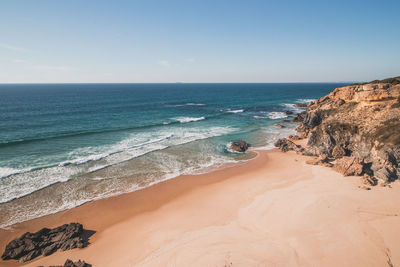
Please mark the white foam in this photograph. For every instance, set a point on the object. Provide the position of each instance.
(186, 104)
(274, 115)
(305, 100)
(189, 119)
(22, 184)
(5, 172)
(272, 134)
(235, 111)
(133, 146)
(293, 107)
(194, 104)
(170, 165)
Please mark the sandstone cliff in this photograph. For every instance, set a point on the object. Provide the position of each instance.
(360, 121)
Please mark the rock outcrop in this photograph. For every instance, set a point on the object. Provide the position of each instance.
(240, 146)
(359, 127)
(47, 241)
(349, 166)
(70, 263)
(286, 145)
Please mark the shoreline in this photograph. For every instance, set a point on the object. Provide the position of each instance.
(209, 169)
(140, 227)
(58, 218)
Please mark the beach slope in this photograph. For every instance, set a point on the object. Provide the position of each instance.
(274, 210)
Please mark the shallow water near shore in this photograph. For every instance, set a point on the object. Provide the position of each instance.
(62, 145)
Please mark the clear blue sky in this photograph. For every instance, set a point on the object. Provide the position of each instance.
(198, 41)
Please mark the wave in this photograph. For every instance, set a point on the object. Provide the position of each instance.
(194, 104)
(185, 104)
(293, 107)
(24, 183)
(5, 172)
(36, 208)
(83, 133)
(274, 115)
(277, 115)
(117, 149)
(272, 134)
(235, 111)
(189, 119)
(305, 100)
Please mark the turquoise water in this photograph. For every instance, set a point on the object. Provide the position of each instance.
(65, 144)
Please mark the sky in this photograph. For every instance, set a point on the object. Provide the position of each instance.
(198, 41)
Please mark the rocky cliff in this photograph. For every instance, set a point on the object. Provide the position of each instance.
(357, 123)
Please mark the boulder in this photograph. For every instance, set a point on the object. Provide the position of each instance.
(239, 146)
(47, 241)
(368, 180)
(349, 166)
(288, 112)
(279, 125)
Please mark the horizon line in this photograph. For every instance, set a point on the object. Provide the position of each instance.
(20, 83)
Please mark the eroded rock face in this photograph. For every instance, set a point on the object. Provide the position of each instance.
(349, 166)
(360, 121)
(240, 146)
(46, 241)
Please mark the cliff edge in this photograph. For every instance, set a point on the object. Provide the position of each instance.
(357, 123)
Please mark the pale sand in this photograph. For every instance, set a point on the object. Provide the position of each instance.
(272, 211)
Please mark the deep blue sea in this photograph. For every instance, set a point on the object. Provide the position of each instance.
(62, 145)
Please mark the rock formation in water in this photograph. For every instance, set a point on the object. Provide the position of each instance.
(240, 146)
(46, 241)
(357, 127)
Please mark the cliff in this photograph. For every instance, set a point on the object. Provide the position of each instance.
(357, 124)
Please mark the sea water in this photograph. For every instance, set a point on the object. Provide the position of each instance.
(62, 145)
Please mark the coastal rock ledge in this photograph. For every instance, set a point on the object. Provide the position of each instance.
(47, 241)
(357, 127)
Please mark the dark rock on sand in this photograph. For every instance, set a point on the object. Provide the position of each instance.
(240, 146)
(70, 263)
(286, 145)
(47, 241)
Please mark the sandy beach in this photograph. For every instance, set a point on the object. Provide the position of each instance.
(274, 210)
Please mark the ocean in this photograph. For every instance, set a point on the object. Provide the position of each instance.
(62, 145)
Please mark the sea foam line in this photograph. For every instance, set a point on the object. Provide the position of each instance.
(189, 119)
(235, 111)
(20, 185)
